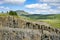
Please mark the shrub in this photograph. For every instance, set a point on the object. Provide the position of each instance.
(12, 13)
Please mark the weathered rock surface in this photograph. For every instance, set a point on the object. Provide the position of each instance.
(13, 28)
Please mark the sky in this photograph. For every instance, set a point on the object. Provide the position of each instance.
(31, 6)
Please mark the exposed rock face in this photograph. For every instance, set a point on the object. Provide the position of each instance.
(13, 28)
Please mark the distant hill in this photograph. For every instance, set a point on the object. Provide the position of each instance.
(40, 16)
(52, 19)
(21, 12)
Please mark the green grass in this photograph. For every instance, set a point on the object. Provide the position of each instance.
(51, 19)
(1, 14)
(54, 23)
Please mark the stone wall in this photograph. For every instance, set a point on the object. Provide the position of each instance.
(14, 28)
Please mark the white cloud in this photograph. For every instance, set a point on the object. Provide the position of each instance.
(58, 7)
(38, 6)
(41, 11)
(54, 4)
(54, 11)
(48, 7)
(4, 8)
(50, 11)
(1, 2)
(13, 1)
(49, 0)
(46, 11)
(31, 12)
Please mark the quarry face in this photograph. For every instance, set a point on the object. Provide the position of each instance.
(13, 28)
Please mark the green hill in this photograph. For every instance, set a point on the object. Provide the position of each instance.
(21, 12)
(52, 19)
(39, 16)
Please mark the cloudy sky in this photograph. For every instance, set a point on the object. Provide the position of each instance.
(32, 6)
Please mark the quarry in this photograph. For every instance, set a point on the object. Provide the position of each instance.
(14, 28)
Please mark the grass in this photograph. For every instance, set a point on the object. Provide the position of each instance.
(53, 22)
(21, 17)
(1, 14)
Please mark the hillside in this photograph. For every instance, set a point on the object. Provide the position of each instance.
(52, 19)
(21, 12)
(40, 16)
(21, 28)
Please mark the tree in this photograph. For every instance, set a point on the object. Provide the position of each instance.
(2, 12)
(12, 13)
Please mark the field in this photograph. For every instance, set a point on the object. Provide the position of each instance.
(52, 22)
(52, 19)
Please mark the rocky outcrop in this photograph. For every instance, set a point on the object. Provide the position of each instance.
(14, 28)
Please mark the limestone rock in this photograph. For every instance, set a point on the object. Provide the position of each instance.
(13, 28)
